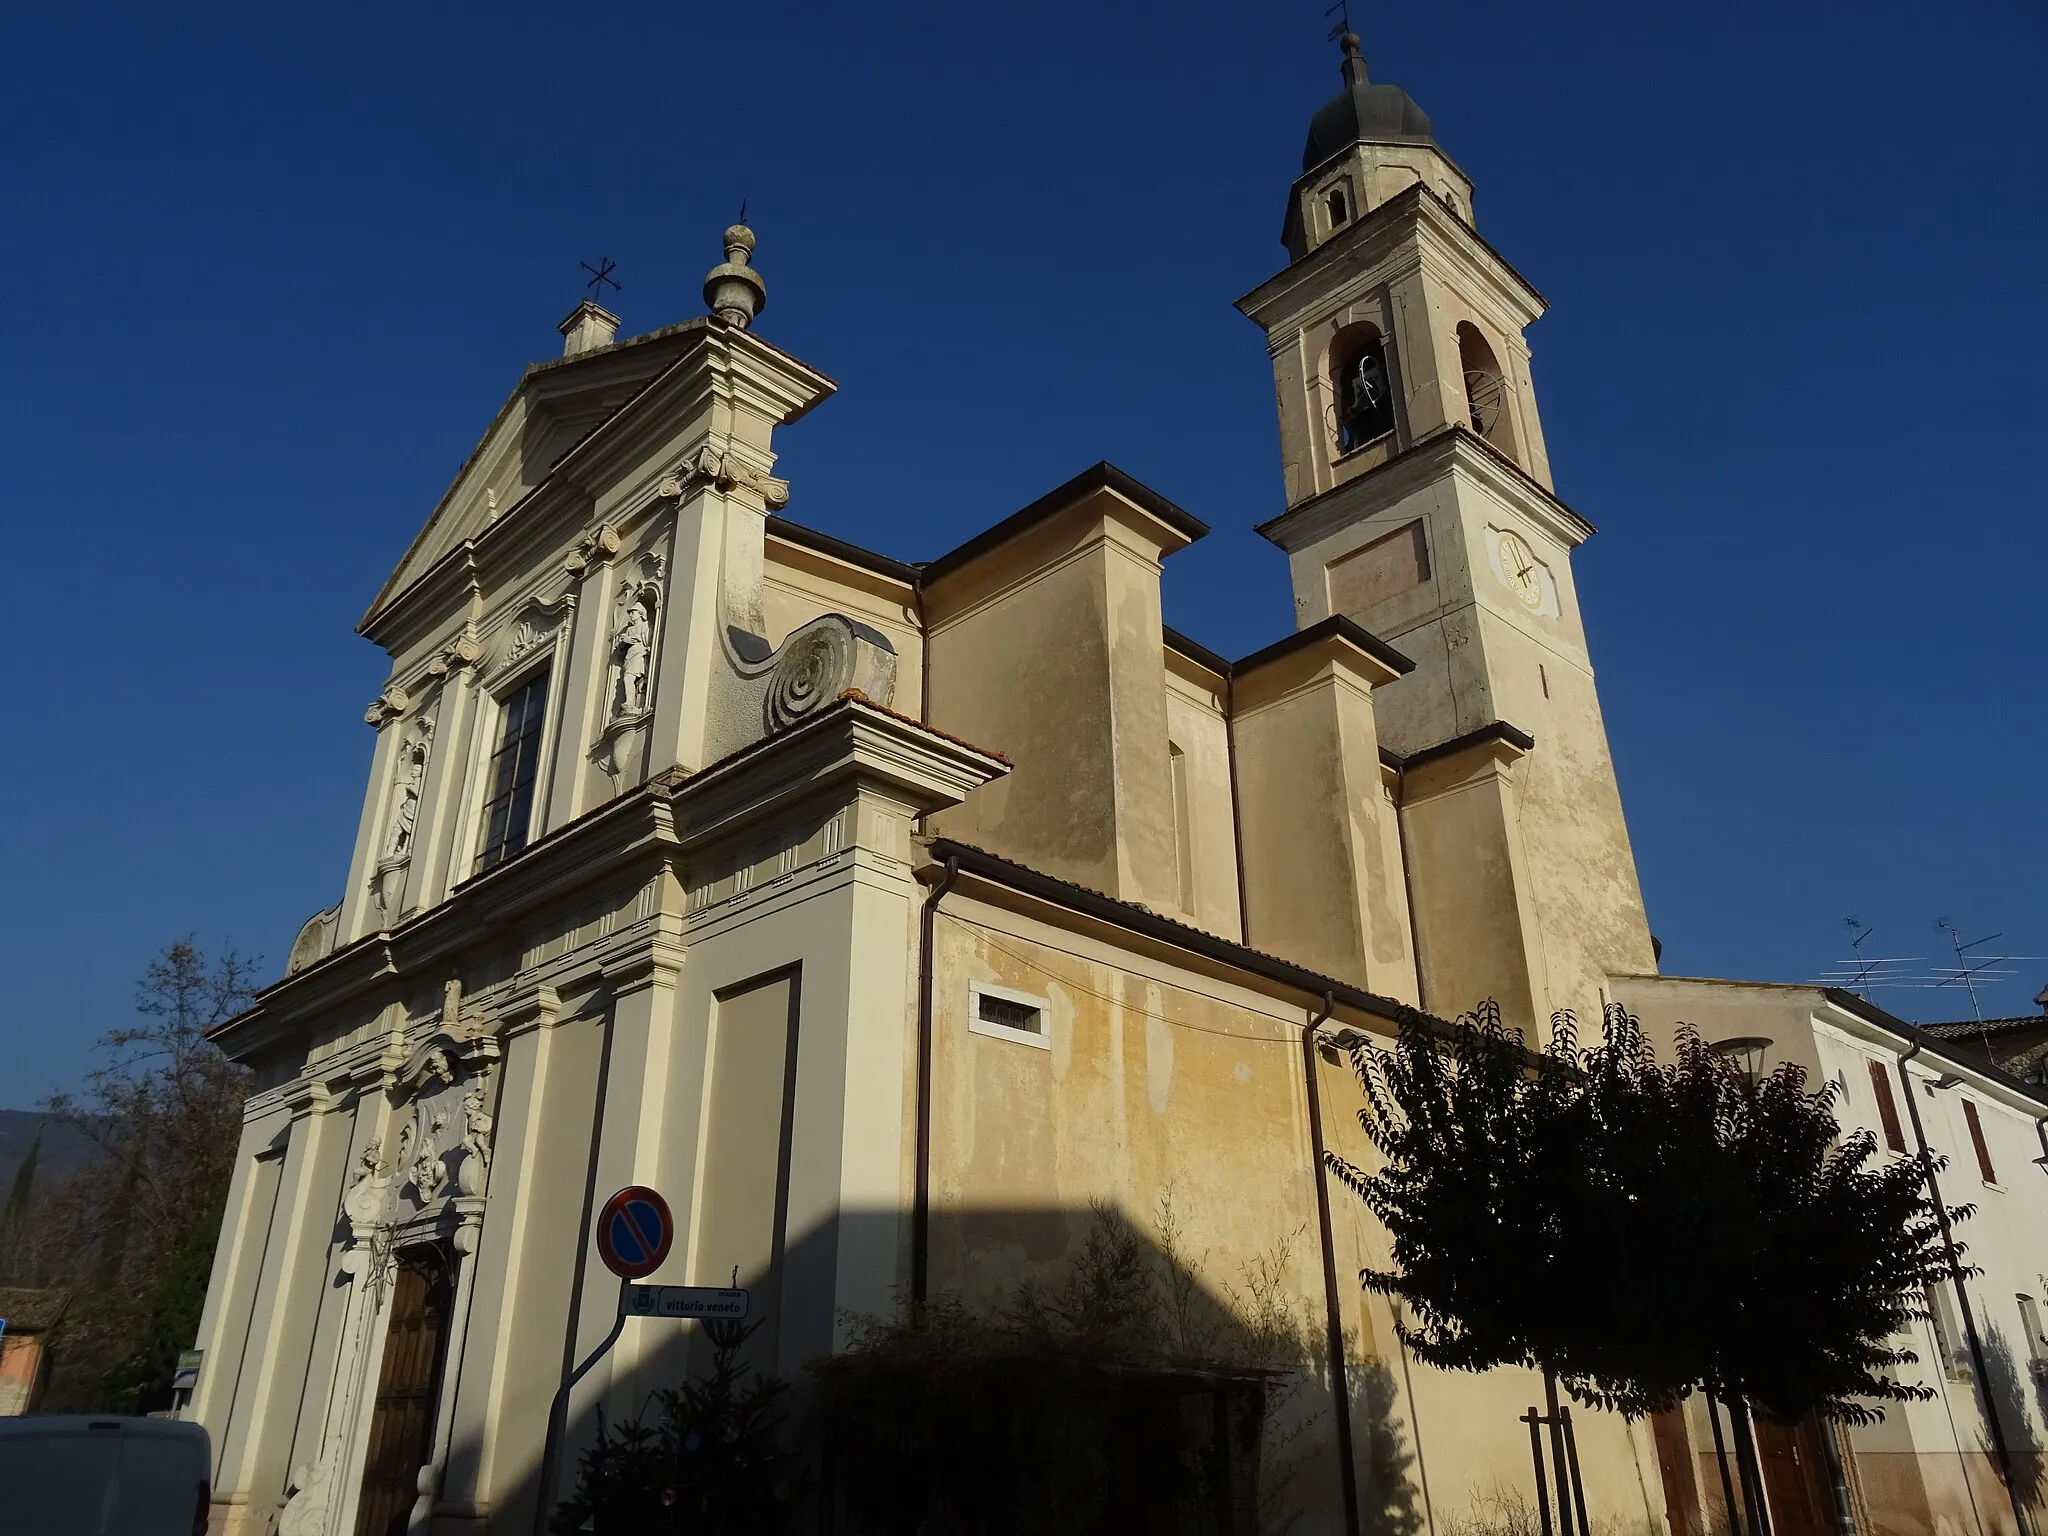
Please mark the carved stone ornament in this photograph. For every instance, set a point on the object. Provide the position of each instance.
(722, 472)
(387, 706)
(460, 653)
(600, 544)
(537, 625)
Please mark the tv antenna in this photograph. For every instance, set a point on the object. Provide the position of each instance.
(599, 275)
(1969, 967)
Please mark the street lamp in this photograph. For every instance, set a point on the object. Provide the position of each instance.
(1745, 1051)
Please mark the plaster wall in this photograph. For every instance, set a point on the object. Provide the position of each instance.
(1324, 880)
(1195, 725)
(1047, 650)
(1176, 1099)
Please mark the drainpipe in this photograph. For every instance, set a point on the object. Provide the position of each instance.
(921, 1205)
(1340, 1387)
(1244, 921)
(1955, 1266)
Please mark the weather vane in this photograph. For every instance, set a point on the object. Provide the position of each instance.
(1342, 11)
(600, 274)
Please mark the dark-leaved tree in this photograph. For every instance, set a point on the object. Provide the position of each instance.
(1639, 1230)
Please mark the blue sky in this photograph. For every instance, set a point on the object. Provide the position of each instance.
(270, 273)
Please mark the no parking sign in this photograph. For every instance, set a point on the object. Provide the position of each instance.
(634, 1231)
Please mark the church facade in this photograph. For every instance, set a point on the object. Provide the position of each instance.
(896, 920)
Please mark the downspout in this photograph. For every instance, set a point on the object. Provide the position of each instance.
(921, 1203)
(1407, 872)
(1955, 1266)
(1340, 1386)
(1244, 922)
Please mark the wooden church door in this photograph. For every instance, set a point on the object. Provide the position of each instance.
(402, 1422)
(1795, 1477)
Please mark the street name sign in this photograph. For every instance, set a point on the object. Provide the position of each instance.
(707, 1302)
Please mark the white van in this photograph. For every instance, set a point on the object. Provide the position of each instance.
(97, 1475)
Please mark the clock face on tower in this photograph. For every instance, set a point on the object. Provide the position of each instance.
(1519, 569)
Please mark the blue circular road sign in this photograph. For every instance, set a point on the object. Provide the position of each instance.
(634, 1231)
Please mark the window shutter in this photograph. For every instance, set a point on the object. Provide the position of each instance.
(1977, 1140)
(1887, 1108)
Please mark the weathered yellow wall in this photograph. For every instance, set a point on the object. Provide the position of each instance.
(1164, 1089)
(1048, 650)
(1323, 876)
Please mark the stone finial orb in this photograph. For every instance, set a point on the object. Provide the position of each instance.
(733, 289)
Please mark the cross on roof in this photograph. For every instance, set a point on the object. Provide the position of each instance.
(599, 274)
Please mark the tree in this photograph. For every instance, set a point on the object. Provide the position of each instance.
(133, 1235)
(713, 1462)
(1639, 1231)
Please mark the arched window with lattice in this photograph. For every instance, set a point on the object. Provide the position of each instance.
(1361, 391)
(1487, 399)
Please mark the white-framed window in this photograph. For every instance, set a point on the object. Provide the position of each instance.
(1004, 1013)
(513, 773)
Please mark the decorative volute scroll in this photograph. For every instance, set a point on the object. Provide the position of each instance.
(387, 706)
(601, 543)
(770, 688)
(722, 472)
(315, 941)
(458, 654)
(827, 657)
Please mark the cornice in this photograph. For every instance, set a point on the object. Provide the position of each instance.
(850, 745)
(1417, 212)
(853, 741)
(1456, 449)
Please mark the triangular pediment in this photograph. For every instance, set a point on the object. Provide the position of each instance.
(555, 406)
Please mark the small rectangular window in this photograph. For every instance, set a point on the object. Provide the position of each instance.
(1887, 1108)
(514, 771)
(1004, 1014)
(1941, 1317)
(2030, 1325)
(1977, 1140)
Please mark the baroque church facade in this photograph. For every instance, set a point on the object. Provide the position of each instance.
(894, 919)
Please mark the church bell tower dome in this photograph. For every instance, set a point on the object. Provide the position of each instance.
(1362, 113)
(1366, 144)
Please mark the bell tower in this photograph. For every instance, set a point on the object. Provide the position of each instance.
(1419, 503)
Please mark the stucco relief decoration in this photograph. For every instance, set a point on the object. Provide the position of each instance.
(723, 472)
(439, 1094)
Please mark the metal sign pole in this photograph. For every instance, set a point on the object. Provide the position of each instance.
(558, 1412)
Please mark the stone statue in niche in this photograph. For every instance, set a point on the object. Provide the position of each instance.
(429, 1171)
(632, 650)
(476, 1143)
(408, 785)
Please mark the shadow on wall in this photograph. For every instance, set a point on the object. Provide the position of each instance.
(1071, 1372)
(2004, 1392)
